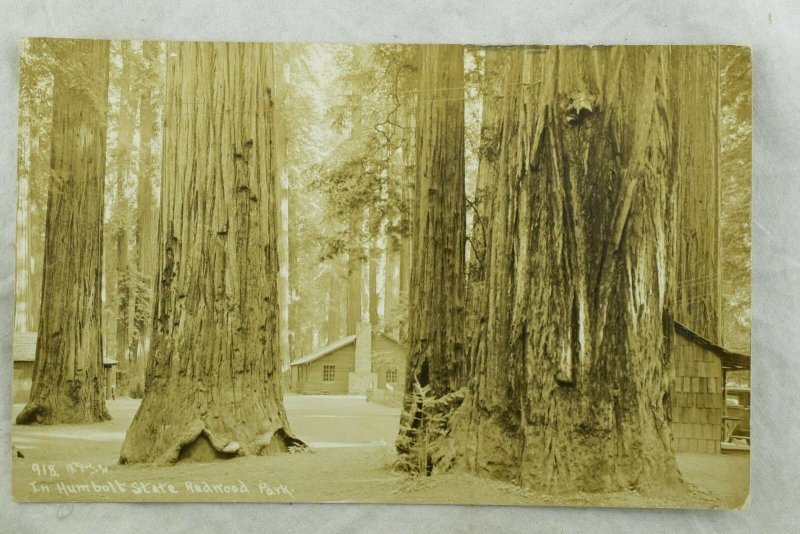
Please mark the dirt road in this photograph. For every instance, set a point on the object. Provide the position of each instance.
(352, 452)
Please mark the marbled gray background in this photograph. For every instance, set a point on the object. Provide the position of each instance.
(771, 27)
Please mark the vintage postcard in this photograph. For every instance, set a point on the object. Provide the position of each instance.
(383, 274)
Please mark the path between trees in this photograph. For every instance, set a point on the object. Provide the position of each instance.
(353, 449)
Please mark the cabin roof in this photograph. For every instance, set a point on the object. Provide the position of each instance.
(734, 361)
(324, 351)
(24, 348)
(336, 345)
(390, 337)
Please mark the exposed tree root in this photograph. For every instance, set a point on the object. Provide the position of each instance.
(32, 413)
(198, 444)
(47, 414)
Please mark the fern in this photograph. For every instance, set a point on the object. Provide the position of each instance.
(422, 443)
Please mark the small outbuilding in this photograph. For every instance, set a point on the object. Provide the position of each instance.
(24, 350)
(354, 364)
(699, 393)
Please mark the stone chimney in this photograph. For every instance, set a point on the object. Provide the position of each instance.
(363, 348)
(363, 379)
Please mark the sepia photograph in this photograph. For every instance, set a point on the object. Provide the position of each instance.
(388, 273)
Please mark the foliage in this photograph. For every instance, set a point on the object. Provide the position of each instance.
(736, 168)
(422, 439)
(363, 177)
(396, 319)
(302, 107)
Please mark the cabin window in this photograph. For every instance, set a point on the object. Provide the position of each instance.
(328, 373)
(391, 376)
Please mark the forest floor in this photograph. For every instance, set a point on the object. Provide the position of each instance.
(350, 460)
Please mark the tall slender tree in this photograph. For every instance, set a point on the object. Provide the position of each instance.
(355, 269)
(35, 114)
(68, 381)
(213, 385)
(282, 213)
(493, 88)
(145, 238)
(436, 307)
(23, 286)
(334, 317)
(124, 168)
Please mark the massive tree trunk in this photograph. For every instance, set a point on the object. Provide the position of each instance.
(213, 386)
(572, 385)
(436, 304)
(68, 381)
(145, 248)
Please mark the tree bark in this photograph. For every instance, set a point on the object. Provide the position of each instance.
(214, 385)
(572, 386)
(68, 379)
(145, 243)
(496, 63)
(698, 217)
(436, 304)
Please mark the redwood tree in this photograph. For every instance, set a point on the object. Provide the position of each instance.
(126, 127)
(572, 382)
(68, 382)
(213, 384)
(436, 301)
(145, 249)
(698, 214)
(493, 88)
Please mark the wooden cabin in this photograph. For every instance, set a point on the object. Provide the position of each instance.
(24, 351)
(699, 391)
(354, 364)
(388, 361)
